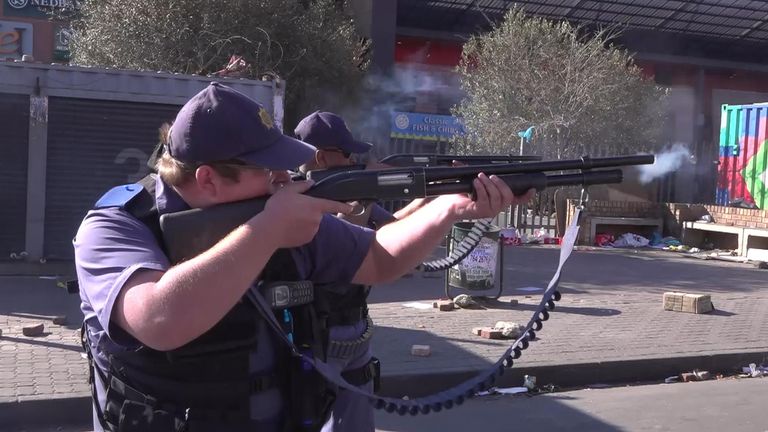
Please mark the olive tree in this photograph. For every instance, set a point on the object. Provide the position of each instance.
(581, 93)
(312, 44)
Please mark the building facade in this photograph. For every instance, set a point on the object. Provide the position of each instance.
(707, 53)
(28, 27)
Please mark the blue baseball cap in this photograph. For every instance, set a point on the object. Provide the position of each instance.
(220, 123)
(327, 130)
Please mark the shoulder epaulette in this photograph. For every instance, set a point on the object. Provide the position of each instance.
(119, 196)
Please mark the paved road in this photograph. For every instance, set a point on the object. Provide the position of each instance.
(735, 405)
(726, 405)
(609, 327)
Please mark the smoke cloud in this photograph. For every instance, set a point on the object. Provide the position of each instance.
(368, 117)
(666, 162)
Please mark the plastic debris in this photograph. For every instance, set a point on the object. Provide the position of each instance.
(603, 239)
(630, 240)
(529, 382)
(754, 371)
(529, 289)
(421, 350)
(512, 390)
(418, 305)
(503, 391)
(672, 379)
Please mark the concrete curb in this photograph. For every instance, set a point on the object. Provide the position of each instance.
(576, 375)
(75, 409)
(64, 409)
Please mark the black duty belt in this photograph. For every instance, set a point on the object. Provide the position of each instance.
(347, 316)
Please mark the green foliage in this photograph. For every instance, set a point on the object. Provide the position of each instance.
(312, 45)
(581, 93)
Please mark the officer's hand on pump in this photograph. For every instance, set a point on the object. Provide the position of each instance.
(493, 196)
(296, 217)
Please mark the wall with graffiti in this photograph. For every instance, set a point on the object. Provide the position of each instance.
(743, 169)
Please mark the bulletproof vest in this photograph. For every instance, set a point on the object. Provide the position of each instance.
(207, 383)
(340, 304)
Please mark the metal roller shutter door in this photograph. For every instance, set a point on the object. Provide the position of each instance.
(93, 145)
(14, 135)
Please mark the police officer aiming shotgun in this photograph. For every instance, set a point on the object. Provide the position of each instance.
(184, 346)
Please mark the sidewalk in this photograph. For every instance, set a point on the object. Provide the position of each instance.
(609, 327)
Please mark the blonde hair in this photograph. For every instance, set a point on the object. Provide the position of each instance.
(177, 173)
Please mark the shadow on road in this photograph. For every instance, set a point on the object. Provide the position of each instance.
(500, 414)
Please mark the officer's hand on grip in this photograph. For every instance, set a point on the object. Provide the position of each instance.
(295, 217)
(493, 196)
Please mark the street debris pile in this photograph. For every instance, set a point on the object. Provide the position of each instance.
(529, 388)
(461, 301)
(751, 371)
(512, 237)
(754, 371)
(502, 330)
(695, 375)
(632, 240)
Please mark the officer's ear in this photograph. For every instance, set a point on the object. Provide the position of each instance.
(208, 180)
(320, 159)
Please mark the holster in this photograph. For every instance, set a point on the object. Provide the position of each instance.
(311, 396)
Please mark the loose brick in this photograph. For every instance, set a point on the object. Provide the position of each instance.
(60, 320)
(489, 333)
(444, 305)
(684, 302)
(477, 331)
(33, 330)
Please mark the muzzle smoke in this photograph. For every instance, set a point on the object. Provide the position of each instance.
(666, 162)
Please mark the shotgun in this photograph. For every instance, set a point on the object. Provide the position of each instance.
(213, 223)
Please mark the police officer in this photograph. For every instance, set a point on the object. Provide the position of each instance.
(181, 345)
(335, 145)
(350, 324)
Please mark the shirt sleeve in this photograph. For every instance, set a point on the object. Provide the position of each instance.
(336, 252)
(110, 246)
(379, 217)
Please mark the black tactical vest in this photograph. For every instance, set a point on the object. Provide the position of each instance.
(206, 385)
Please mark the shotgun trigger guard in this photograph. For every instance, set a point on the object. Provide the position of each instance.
(359, 207)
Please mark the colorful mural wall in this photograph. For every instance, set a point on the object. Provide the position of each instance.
(743, 169)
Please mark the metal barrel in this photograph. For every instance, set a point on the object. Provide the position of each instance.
(489, 158)
(447, 173)
(520, 183)
(427, 157)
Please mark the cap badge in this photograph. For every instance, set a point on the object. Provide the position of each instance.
(265, 118)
